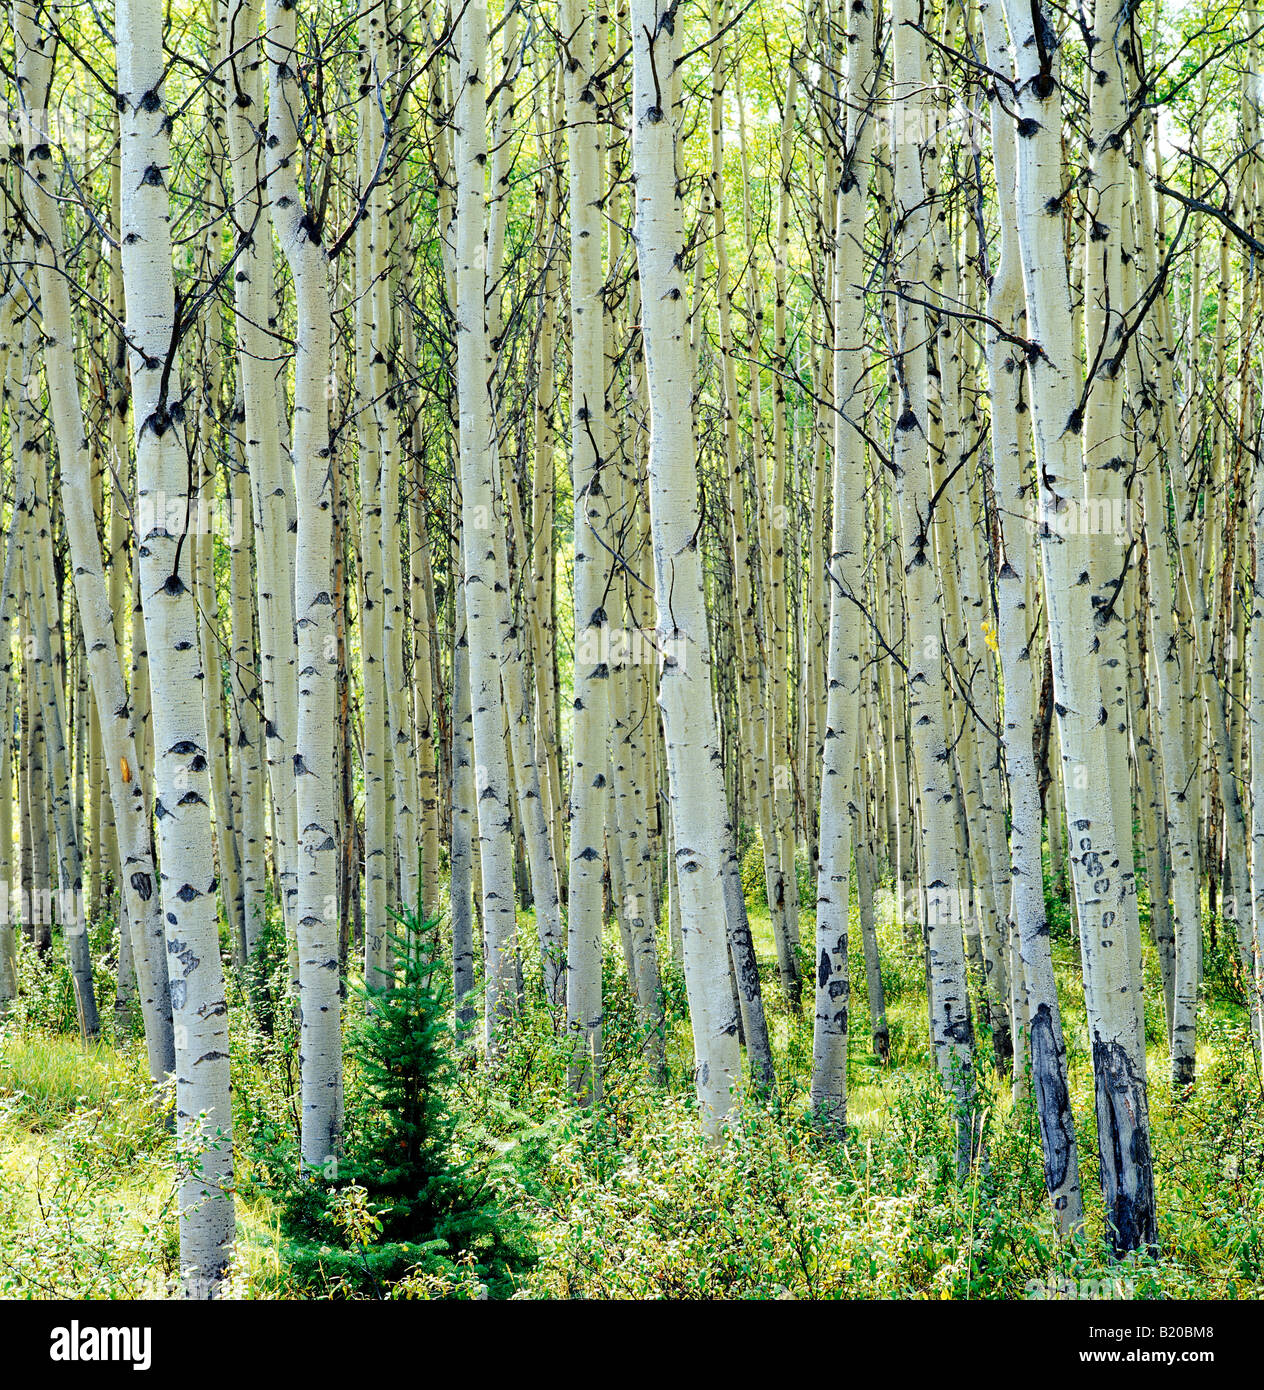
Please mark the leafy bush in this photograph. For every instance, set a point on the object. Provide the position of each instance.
(87, 1192)
(804, 877)
(1057, 912)
(267, 974)
(754, 889)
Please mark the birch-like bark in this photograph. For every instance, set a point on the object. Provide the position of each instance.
(1044, 1042)
(247, 701)
(8, 929)
(263, 401)
(1100, 849)
(845, 567)
(778, 891)
(92, 595)
(776, 631)
(866, 882)
(44, 664)
(370, 258)
(517, 626)
(461, 842)
(271, 472)
(1252, 118)
(693, 756)
(181, 780)
(543, 497)
(316, 848)
(481, 511)
(952, 1032)
(1104, 556)
(751, 729)
(10, 854)
(590, 708)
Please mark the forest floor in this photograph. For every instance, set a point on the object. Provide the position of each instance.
(626, 1200)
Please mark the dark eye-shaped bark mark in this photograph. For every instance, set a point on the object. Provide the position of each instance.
(1053, 1102)
(1124, 1145)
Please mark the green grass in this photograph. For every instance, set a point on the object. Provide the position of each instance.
(45, 1077)
(627, 1200)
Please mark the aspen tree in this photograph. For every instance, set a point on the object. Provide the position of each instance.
(776, 630)
(968, 691)
(406, 289)
(1100, 849)
(316, 848)
(271, 476)
(627, 833)
(33, 528)
(207, 349)
(1175, 655)
(10, 689)
(462, 828)
(8, 929)
(517, 703)
(424, 649)
(1105, 469)
(481, 512)
(952, 1033)
(405, 804)
(179, 770)
(370, 265)
(246, 705)
(519, 708)
(227, 842)
(1251, 946)
(1220, 633)
(543, 496)
(590, 709)
(1253, 956)
(762, 736)
(1168, 667)
(866, 881)
(1044, 1043)
(375, 149)
(696, 789)
(463, 823)
(32, 859)
(844, 570)
(1153, 815)
(751, 729)
(815, 625)
(143, 904)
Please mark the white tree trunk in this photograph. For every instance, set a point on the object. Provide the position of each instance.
(180, 772)
(142, 903)
(952, 1032)
(1100, 848)
(693, 755)
(845, 574)
(316, 861)
(1044, 1042)
(480, 513)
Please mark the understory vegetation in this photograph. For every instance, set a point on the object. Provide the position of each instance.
(460, 1181)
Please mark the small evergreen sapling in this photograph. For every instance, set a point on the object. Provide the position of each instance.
(415, 1191)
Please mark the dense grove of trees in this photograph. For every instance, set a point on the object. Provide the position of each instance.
(526, 462)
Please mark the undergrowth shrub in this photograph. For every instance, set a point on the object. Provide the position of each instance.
(46, 996)
(88, 1203)
(754, 886)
